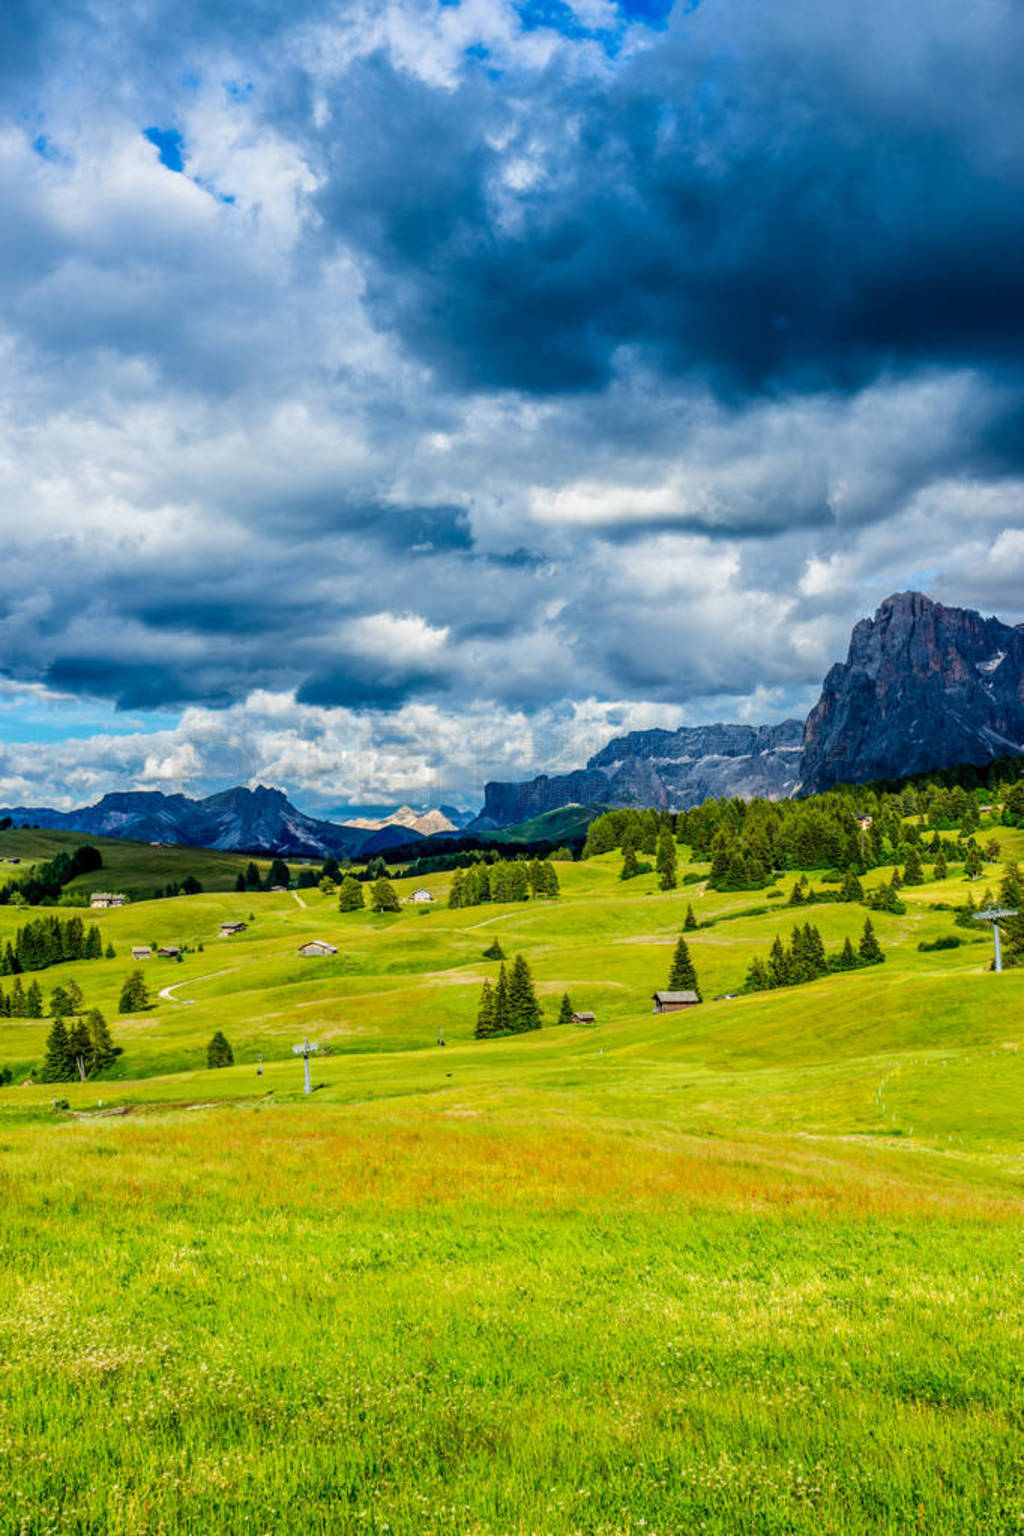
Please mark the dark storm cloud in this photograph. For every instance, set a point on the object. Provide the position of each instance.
(395, 354)
(743, 203)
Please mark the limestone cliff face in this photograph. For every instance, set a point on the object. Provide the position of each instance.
(923, 687)
(670, 770)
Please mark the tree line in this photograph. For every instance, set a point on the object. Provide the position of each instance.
(506, 880)
(805, 958)
(50, 941)
(43, 884)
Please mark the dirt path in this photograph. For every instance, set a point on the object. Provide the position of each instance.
(300, 901)
(168, 992)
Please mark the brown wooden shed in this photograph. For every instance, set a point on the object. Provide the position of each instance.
(672, 1002)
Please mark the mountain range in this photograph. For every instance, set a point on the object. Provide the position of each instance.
(923, 687)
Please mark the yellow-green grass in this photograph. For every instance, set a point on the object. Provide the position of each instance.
(752, 1268)
(136, 869)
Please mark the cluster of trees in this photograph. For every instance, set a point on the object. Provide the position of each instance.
(22, 1002)
(43, 884)
(82, 1050)
(250, 878)
(383, 896)
(190, 886)
(507, 880)
(846, 830)
(804, 958)
(510, 1007)
(50, 941)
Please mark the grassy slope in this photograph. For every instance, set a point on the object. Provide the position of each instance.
(753, 1268)
(135, 868)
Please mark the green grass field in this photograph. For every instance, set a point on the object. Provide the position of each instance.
(753, 1268)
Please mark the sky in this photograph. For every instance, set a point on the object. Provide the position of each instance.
(397, 395)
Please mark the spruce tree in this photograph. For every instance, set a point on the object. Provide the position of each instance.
(134, 994)
(666, 860)
(350, 896)
(913, 874)
(485, 1019)
(941, 869)
(57, 1064)
(60, 1002)
(682, 976)
(524, 1009)
(565, 1010)
(851, 889)
(17, 1000)
(80, 1049)
(455, 894)
(502, 1011)
(104, 1052)
(240, 882)
(34, 1001)
(689, 921)
(630, 864)
(494, 951)
(219, 1052)
(93, 944)
(757, 976)
(847, 958)
(869, 948)
(110, 953)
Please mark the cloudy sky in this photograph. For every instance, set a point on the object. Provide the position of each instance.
(398, 394)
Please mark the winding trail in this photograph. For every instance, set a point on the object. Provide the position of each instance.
(300, 901)
(168, 992)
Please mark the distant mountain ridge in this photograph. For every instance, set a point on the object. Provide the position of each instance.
(670, 770)
(235, 820)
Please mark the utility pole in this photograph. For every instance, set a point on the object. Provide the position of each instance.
(305, 1050)
(994, 915)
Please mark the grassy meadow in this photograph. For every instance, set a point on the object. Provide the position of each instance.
(752, 1268)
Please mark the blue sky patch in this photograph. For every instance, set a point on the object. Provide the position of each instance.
(170, 146)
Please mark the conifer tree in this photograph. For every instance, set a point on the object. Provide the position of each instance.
(494, 951)
(630, 864)
(689, 921)
(57, 1064)
(485, 1018)
(780, 965)
(134, 994)
(796, 895)
(240, 884)
(350, 896)
(851, 888)
(80, 1049)
(110, 953)
(219, 1052)
(847, 957)
(455, 889)
(524, 1009)
(104, 1052)
(666, 860)
(17, 1000)
(973, 862)
(941, 869)
(75, 997)
(682, 976)
(869, 949)
(34, 1001)
(757, 976)
(913, 874)
(502, 1011)
(93, 948)
(565, 1010)
(60, 1002)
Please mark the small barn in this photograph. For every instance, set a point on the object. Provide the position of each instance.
(106, 899)
(227, 929)
(584, 1018)
(317, 947)
(169, 952)
(141, 952)
(421, 894)
(673, 1002)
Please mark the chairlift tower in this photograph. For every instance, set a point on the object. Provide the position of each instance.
(995, 915)
(305, 1050)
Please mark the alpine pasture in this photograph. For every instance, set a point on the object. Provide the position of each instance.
(755, 1267)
